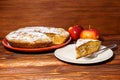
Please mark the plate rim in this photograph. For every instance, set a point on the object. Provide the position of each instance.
(7, 45)
(79, 62)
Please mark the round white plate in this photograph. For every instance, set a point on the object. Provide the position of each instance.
(67, 54)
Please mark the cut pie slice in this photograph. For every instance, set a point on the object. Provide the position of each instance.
(86, 47)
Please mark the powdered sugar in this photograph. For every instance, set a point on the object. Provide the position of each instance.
(27, 36)
(31, 34)
(43, 29)
(83, 41)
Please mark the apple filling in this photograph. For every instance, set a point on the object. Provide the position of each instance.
(86, 47)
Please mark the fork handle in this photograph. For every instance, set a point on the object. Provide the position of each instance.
(109, 47)
(106, 48)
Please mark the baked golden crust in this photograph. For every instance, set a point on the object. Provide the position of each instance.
(87, 48)
(30, 45)
(57, 35)
(56, 38)
(35, 37)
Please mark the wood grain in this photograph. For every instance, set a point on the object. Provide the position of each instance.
(103, 15)
(45, 66)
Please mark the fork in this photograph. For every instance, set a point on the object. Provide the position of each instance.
(95, 54)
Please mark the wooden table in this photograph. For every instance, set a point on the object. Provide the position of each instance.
(103, 15)
(45, 66)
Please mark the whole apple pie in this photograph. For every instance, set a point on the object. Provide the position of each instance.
(37, 36)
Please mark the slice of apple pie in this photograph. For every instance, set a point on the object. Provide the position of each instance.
(86, 47)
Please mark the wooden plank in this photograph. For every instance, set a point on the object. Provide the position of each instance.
(102, 15)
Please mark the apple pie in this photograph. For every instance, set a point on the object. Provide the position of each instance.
(37, 36)
(86, 47)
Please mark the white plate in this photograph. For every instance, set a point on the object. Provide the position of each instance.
(67, 54)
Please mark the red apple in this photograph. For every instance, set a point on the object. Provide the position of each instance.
(75, 31)
(89, 34)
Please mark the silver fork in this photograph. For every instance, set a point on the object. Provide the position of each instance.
(95, 54)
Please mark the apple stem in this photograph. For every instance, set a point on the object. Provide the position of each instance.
(89, 26)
